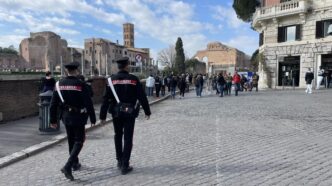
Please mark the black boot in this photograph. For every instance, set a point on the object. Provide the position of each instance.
(66, 170)
(119, 165)
(126, 168)
(76, 166)
(71, 161)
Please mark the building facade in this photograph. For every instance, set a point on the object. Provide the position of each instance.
(294, 36)
(222, 58)
(43, 51)
(100, 56)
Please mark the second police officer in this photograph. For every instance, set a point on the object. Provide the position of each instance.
(73, 98)
(123, 93)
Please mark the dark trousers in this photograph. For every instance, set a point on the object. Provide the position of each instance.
(221, 90)
(158, 87)
(229, 88)
(256, 86)
(123, 127)
(163, 90)
(182, 90)
(76, 138)
(237, 88)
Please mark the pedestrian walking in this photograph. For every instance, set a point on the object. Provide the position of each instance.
(48, 83)
(255, 79)
(229, 83)
(309, 76)
(163, 85)
(182, 85)
(73, 99)
(157, 85)
(199, 85)
(320, 77)
(123, 92)
(173, 84)
(243, 83)
(221, 84)
(150, 81)
(169, 78)
(236, 81)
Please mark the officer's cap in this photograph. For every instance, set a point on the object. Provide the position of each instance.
(72, 65)
(122, 61)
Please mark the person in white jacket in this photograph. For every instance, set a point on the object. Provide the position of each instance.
(320, 76)
(150, 81)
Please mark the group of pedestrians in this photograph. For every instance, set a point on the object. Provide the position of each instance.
(224, 83)
(322, 76)
(172, 82)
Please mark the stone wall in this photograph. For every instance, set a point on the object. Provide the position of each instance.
(19, 98)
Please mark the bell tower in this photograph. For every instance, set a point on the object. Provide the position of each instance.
(128, 35)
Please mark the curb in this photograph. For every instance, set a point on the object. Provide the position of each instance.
(35, 149)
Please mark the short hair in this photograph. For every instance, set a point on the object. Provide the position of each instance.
(48, 73)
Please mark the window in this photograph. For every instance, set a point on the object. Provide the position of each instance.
(120, 51)
(289, 33)
(322, 28)
(261, 39)
(125, 52)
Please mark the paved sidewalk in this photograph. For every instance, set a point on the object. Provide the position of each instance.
(264, 138)
(21, 134)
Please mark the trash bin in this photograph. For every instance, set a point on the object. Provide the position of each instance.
(44, 114)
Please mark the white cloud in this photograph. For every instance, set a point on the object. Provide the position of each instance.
(61, 21)
(7, 40)
(166, 21)
(106, 31)
(244, 43)
(227, 15)
(63, 8)
(88, 25)
(99, 2)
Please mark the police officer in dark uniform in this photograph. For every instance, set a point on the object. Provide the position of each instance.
(72, 98)
(130, 92)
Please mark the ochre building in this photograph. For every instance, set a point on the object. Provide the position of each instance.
(222, 58)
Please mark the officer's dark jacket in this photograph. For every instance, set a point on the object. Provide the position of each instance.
(129, 90)
(76, 95)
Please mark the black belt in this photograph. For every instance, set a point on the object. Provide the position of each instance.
(72, 109)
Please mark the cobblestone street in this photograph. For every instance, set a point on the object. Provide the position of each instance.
(264, 138)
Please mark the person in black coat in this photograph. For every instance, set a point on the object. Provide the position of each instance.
(182, 85)
(73, 99)
(173, 83)
(157, 84)
(129, 91)
(309, 76)
(221, 84)
(48, 83)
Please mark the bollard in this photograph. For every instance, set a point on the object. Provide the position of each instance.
(44, 114)
(293, 83)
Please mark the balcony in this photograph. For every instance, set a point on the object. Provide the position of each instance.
(280, 10)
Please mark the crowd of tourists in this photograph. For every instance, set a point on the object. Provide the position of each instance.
(222, 83)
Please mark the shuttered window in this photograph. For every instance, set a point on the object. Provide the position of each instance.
(290, 33)
(261, 39)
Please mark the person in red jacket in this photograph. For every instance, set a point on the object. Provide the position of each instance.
(236, 81)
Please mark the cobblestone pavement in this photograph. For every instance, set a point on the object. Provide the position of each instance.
(264, 138)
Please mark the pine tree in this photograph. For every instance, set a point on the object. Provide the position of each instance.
(180, 57)
(245, 9)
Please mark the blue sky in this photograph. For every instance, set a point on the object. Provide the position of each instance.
(158, 23)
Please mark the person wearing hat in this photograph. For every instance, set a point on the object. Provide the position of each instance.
(123, 93)
(73, 98)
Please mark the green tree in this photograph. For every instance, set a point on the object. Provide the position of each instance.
(254, 61)
(193, 65)
(180, 57)
(9, 50)
(245, 9)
